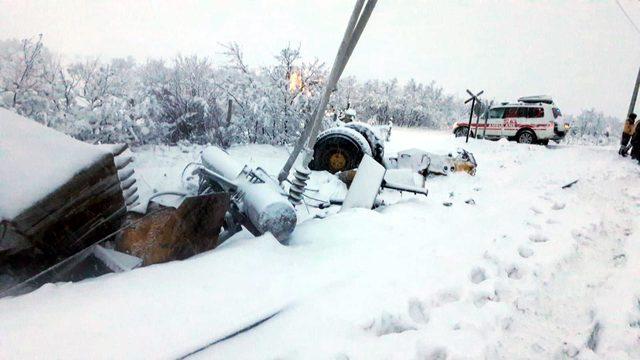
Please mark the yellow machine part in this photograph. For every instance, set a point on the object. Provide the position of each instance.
(168, 233)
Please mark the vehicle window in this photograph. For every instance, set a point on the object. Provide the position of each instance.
(556, 113)
(510, 112)
(535, 112)
(496, 113)
(523, 112)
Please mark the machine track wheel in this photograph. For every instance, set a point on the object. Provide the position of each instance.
(375, 142)
(339, 149)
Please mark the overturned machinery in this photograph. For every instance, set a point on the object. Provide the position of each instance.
(258, 202)
(340, 149)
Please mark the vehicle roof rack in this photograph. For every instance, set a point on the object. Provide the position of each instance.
(536, 99)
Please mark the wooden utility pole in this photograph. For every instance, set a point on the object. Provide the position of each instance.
(634, 96)
(478, 111)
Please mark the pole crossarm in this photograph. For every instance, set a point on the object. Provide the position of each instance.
(473, 99)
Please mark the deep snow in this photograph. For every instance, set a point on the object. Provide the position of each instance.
(525, 270)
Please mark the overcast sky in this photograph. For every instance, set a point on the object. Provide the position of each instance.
(584, 53)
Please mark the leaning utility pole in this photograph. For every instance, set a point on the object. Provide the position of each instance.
(627, 130)
(357, 22)
(634, 96)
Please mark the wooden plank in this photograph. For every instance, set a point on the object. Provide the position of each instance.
(66, 193)
(56, 222)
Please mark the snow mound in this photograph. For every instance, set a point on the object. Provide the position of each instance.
(35, 160)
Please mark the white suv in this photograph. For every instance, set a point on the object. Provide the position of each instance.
(533, 119)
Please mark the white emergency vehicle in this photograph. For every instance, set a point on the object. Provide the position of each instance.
(532, 120)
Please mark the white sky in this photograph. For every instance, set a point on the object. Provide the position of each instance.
(584, 53)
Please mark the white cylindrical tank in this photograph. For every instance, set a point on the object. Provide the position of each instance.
(218, 160)
(268, 210)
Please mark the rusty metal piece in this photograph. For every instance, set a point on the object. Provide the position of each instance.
(465, 161)
(347, 176)
(168, 233)
(464, 165)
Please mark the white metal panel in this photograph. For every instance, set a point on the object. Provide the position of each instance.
(365, 185)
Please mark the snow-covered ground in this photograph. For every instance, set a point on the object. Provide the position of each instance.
(525, 270)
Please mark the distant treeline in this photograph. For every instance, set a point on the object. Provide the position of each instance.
(187, 98)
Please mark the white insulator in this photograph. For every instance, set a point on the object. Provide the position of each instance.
(298, 184)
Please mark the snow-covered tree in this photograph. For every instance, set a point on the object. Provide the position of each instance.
(22, 72)
(593, 127)
(187, 98)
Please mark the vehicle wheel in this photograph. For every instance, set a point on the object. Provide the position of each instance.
(461, 131)
(526, 137)
(375, 142)
(339, 149)
(544, 142)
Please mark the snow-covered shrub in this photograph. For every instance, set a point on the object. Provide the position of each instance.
(592, 127)
(414, 104)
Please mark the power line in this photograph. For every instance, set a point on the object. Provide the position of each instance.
(628, 17)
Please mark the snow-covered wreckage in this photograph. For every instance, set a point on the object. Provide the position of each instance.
(65, 211)
(70, 210)
(57, 197)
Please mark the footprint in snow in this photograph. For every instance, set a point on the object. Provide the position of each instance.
(535, 226)
(525, 252)
(418, 312)
(389, 324)
(558, 206)
(545, 197)
(514, 272)
(535, 210)
(430, 353)
(478, 275)
(538, 238)
(506, 323)
(619, 260)
(445, 297)
(569, 350)
(480, 298)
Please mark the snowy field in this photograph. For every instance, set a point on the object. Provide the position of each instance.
(516, 267)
